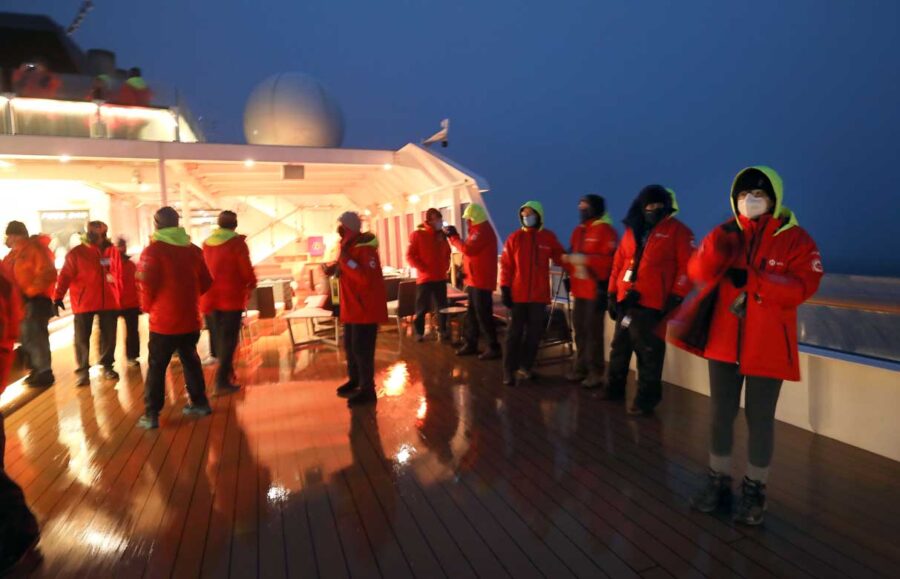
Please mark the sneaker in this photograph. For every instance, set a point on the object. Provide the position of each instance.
(576, 375)
(508, 378)
(134, 363)
(83, 381)
(715, 495)
(752, 507)
(362, 397)
(210, 360)
(227, 389)
(467, 350)
(196, 410)
(19, 554)
(346, 389)
(110, 374)
(148, 422)
(491, 354)
(592, 382)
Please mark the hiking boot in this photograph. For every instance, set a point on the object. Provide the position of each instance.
(612, 395)
(196, 410)
(209, 361)
(508, 378)
(83, 380)
(366, 396)
(576, 375)
(42, 380)
(110, 374)
(492, 353)
(134, 363)
(636, 410)
(346, 389)
(592, 382)
(420, 337)
(227, 389)
(523, 375)
(752, 507)
(445, 338)
(148, 422)
(715, 495)
(467, 350)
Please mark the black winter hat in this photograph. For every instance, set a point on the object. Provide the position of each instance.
(754, 179)
(166, 217)
(17, 228)
(596, 203)
(654, 194)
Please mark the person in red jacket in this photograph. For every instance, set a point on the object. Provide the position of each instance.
(134, 91)
(525, 286)
(648, 281)
(129, 303)
(90, 273)
(34, 80)
(19, 533)
(429, 253)
(593, 245)
(480, 268)
(171, 278)
(228, 260)
(754, 271)
(29, 265)
(363, 302)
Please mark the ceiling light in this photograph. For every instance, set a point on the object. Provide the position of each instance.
(387, 207)
(387, 166)
(249, 163)
(413, 199)
(64, 158)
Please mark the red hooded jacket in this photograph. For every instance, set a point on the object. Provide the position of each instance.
(90, 274)
(10, 319)
(172, 277)
(228, 260)
(597, 241)
(525, 262)
(479, 256)
(363, 298)
(662, 270)
(783, 267)
(128, 291)
(429, 253)
(31, 267)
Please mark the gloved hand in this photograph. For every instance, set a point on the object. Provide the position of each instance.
(506, 292)
(672, 304)
(612, 306)
(450, 231)
(738, 276)
(60, 306)
(329, 268)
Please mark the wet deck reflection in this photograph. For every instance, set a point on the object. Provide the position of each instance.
(450, 475)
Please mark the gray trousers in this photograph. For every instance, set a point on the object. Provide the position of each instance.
(725, 383)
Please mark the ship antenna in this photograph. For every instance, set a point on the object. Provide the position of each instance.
(86, 6)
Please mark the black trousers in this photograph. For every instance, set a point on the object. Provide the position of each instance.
(132, 335)
(227, 332)
(641, 339)
(162, 346)
(16, 520)
(84, 325)
(359, 345)
(210, 321)
(523, 336)
(35, 336)
(589, 321)
(480, 318)
(725, 384)
(430, 295)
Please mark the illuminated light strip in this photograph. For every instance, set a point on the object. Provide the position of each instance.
(52, 106)
(135, 113)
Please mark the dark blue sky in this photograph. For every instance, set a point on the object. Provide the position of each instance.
(553, 100)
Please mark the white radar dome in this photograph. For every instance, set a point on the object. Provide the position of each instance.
(292, 108)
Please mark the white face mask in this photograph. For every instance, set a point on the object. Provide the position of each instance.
(752, 207)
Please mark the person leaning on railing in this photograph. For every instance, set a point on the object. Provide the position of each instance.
(754, 271)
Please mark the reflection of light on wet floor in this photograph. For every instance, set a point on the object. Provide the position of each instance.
(404, 453)
(58, 339)
(277, 494)
(12, 392)
(423, 408)
(103, 543)
(81, 463)
(396, 380)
